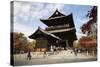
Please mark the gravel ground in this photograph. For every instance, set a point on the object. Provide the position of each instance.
(59, 57)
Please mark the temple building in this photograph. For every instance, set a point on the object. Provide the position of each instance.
(44, 39)
(60, 32)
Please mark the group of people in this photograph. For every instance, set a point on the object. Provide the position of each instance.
(29, 55)
(52, 49)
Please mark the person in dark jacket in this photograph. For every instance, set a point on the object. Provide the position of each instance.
(75, 51)
(29, 56)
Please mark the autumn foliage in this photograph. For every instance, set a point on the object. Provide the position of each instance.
(20, 43)
(92, 14)
(87, 42)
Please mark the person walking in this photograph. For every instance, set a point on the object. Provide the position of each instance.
(44, 53)
(75, 51)
(51, 49)
(29, 56)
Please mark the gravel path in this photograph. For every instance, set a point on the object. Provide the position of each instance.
(60, 57)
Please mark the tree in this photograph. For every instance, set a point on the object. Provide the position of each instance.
(87, 42)
(19, 42)
(76, 44)
(92, 14)
(30, 46)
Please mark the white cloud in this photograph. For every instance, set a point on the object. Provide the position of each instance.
(24, 12)
(24, 29)
(17, 7)
(41, 10)
(35, 10)
(20, 7)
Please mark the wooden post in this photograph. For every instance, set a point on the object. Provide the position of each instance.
(87, 53)
(93, 51)
(67, 44)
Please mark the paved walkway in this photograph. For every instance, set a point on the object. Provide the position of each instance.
(58, 57)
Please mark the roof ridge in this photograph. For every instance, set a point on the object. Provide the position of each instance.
(56, 14)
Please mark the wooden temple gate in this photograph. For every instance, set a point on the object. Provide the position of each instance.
(60, 32)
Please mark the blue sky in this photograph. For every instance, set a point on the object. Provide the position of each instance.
(27, 15)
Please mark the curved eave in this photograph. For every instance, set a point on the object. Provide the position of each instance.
(70, 15)
(32, 36)
(48, 21)
(43, 33)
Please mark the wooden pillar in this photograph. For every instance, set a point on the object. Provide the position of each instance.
(93, 51)
(67, 44)
(87, 51)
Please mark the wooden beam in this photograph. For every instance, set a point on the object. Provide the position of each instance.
(61, 30)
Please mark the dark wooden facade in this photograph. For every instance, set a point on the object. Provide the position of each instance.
(61, 26)
(60, 32)
(44, 40)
